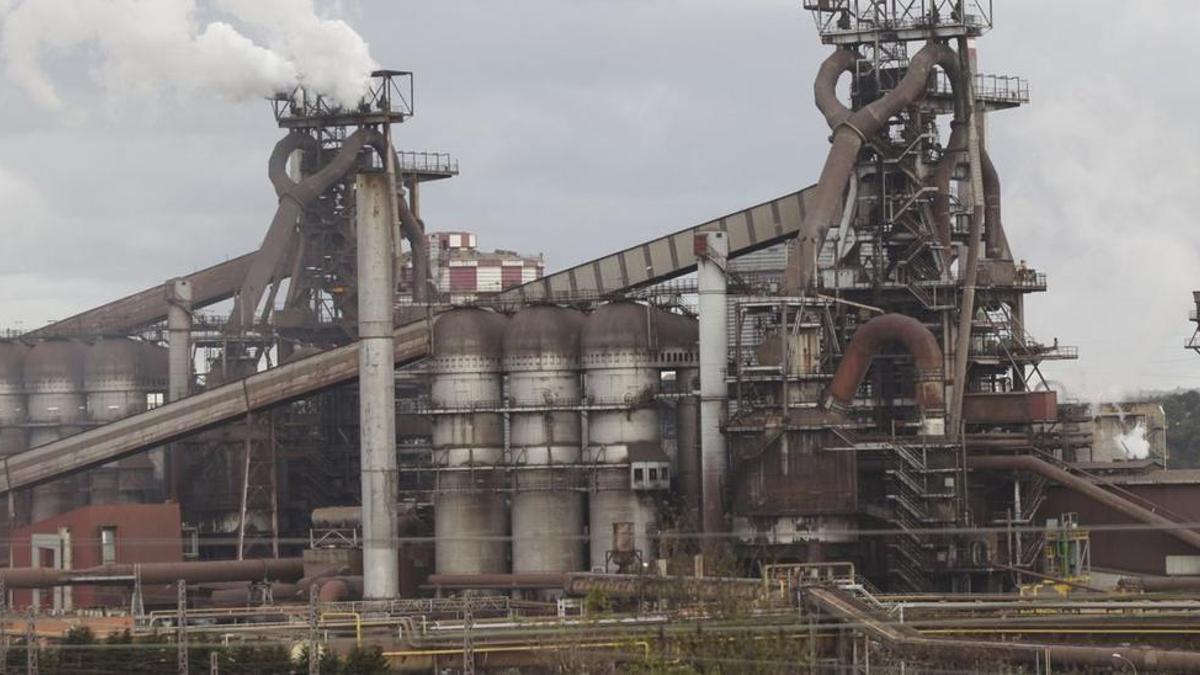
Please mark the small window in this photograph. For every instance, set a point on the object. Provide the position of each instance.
(108, 545)
(666, 473)
(637, 475)
(653, 474)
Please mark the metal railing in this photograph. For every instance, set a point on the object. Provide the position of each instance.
(990, 88)
(842, 17)
(426, 162)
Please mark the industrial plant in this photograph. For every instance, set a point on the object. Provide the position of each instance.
(811, 435)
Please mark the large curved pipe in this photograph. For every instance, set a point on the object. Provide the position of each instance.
(1089, 489)
(848, 139)
(295, 197)
(825, 86)
(868, 340)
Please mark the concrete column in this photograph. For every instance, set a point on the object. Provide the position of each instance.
(179, 338)
(376, 383)
(712, 250)
(179, 372)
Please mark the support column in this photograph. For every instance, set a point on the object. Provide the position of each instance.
(966, 312)
(712, 250)
(179, 366)
(376, 382)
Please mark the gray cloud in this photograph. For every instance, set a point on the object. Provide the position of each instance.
(584, 126)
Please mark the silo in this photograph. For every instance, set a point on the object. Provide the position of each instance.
(470, 518)
(14, 438)
(118, 376)
(617, 355)
(12, 384)
(541, 360)
(57, 408)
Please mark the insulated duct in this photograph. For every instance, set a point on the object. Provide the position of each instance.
(869, 340)
(848, 137)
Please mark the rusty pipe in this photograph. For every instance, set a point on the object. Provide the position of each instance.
(206, 571)
(848, 139)
(868, 340)
(825, 86)
(1151, 584)
(955, 147)
(1087, 488)
(296, 196)
(995, 241)
(531, 580)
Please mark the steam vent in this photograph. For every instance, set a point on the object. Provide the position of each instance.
(812, 435)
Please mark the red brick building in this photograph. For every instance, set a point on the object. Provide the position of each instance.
(92, 536)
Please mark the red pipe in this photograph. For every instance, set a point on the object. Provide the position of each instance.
(868, 340)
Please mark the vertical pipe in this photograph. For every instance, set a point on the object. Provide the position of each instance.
(179, 364)
(712, 249)
(376, 382)
(687, 426)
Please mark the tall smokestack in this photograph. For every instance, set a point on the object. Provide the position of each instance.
(376, 382)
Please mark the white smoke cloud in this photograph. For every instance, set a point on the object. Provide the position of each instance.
(145, 47)
(1134, 442)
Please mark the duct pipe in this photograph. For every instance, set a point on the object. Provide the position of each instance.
(179, 364)
(687, 428)
(848, 139)
(376, 382)
(942, 174)
(1160, 584)
(208, 571)
(1089, 489)
(996, 242)
(525, 580)
(295, 196)
(712, 251)
(868, 340)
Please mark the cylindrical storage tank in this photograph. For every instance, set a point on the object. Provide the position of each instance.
(117, 381)
(470, 517)
(12, 384)
(113, 378)
(616, 349)
(57, 404)
(54, 383)
(541, 360)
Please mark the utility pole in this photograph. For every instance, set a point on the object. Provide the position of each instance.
(31, 647)
(181, 656)
(314, 655)
(468, 640)
(3, 627)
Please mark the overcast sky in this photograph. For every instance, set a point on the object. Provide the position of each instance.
(585, 126)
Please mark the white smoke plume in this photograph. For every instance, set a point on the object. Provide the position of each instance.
(144, 47)
(1134, 442)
